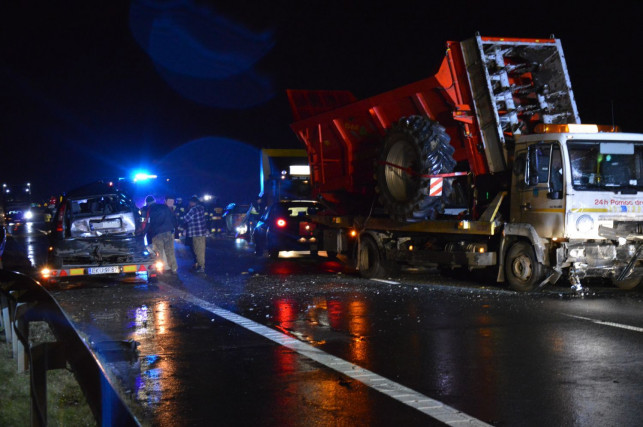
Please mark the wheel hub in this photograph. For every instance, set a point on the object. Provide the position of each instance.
(522, 268)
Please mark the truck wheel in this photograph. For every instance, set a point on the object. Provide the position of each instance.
(522, 269)
(627, 284)
(369, 259)
(414, 146)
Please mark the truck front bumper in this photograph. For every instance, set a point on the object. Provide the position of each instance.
(600, 259)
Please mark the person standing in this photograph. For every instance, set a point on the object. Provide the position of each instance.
(145, 213)
(196, 231)
(169, 202)
(160, 230)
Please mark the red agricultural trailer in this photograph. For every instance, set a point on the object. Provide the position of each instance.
(486, 91)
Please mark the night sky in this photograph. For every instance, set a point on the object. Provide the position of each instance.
(92, 90)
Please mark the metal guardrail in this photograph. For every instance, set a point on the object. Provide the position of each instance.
(23, 300)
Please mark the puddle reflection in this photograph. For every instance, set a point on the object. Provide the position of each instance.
(149, 327)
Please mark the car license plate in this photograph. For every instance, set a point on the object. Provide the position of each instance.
(104, 270)
(106, 224)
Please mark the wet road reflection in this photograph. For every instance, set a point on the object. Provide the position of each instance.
(501, 357)
(488, 353)
(26, 246)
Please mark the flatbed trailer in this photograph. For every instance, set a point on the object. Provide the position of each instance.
(53, 275)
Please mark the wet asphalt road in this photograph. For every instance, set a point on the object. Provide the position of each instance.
(492, 355)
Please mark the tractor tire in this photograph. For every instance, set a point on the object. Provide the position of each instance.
(420, 145)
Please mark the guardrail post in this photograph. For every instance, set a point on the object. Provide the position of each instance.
(38, 389)
(44, 357)
(1, 311)
(15, 342)
(6, 321)
(23, 327)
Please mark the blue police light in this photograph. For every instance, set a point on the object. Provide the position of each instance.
(143, 176)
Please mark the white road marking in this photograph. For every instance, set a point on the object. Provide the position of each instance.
(409, 397)
(390, 282)
(612, 324)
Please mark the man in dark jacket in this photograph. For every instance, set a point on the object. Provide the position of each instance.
(160, 231)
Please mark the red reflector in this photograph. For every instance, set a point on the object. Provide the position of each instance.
(63, 273)
(306, 228)
(281, 222)
(142, 268)
(61, 217)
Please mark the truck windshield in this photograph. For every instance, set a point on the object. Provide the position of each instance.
(608, 166)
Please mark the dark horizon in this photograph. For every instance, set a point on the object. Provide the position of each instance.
(94, 91)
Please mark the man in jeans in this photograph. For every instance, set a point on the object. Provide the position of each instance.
(160, 230)
(196, 231)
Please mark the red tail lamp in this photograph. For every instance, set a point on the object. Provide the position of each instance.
(281, 223)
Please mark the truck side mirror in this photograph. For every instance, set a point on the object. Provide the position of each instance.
(532, 166)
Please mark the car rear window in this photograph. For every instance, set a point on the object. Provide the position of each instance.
(99, 205)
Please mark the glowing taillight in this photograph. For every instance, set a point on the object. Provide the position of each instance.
(281, 223)
(61, 217)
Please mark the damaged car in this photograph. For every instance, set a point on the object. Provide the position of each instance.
(96, 232)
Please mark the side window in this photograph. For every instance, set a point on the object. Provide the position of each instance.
(537, 167)
(556, 176)
(543, 153)
(520, 163)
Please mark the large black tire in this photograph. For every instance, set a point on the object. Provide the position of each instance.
(421, 145)
(370, 260)
(522, 269)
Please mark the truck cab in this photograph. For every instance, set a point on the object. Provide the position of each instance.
(576, 193)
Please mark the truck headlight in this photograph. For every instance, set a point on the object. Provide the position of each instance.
(28, 215)
(584, 224)
(242, 229)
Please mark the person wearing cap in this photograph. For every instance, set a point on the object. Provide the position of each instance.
(160, 231)
(196, 231)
